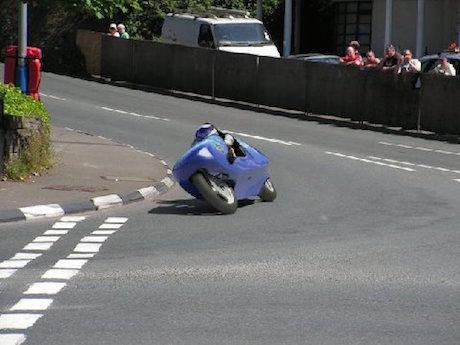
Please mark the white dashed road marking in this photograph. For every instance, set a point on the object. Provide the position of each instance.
(45, 288)
(60, 273)
(364, 160)
(416, 165)
(426, 149)
(124, 112)
(32, 304)
(258, 137)
(18, 321)
(12, 339)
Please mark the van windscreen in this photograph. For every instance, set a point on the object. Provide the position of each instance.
(241, 33)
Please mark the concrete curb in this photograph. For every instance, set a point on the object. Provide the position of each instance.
(94, 204)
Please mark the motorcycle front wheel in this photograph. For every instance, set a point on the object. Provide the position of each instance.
(215, 192)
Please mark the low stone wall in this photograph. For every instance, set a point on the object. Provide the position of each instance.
(15, 134)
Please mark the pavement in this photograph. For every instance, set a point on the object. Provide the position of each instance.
(89, 173)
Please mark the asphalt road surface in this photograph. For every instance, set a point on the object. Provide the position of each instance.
(360, 247)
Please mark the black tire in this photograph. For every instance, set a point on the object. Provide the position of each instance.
(268, 191)
(217, 193)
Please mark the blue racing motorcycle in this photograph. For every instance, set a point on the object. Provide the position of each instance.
(222, 174)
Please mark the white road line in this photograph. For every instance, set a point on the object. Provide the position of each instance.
(110, 226)
(46, 239)
(116, 220)
(81, 256)
(72, 263)
(72, 218)
(32, 304)
(6, 273)
(22, 256)
(148, 192)
(60, 273)
(56, 232)
(45, 288)
(14, 263)
(103, 232)
(419, 148)
(18, 321)
(107, 108)
(87, 247)
(38, 246)
(341, 155)
(457, 180)
(417, 165)
(12, 339)
(258, 137)
(94, 239)
(64, 225)
(423, 149)
(121, 111)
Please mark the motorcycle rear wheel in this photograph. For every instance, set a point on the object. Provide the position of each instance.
(215, 192)
(268, 191)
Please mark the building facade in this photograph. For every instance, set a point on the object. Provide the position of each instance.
(423, 26)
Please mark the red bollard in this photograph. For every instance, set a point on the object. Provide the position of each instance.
(33, 57)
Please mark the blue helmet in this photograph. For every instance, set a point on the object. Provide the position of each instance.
(204, 131)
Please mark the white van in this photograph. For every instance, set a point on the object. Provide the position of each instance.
(227, 30)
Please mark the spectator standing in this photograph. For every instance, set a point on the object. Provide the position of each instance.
(371, 60)
(113, 30)
(350, 57)
(391, 61)
(444, 67)
(409, 64)
(122, 31)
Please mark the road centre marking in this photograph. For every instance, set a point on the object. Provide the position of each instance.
(364, 160)
(272, 140)
(420, 148)
(415, 164)
(130, 113)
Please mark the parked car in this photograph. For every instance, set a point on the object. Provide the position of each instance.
(222, 29)
(314, 57)
(429, 62)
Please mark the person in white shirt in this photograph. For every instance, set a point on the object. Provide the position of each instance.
(408, 64)
(445, 68)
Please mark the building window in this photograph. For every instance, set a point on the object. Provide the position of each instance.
(353, 21)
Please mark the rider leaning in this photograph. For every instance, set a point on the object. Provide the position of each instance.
(234, 148)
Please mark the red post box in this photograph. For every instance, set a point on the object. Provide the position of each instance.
(33, 65)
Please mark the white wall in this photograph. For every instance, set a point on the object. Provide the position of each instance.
(441, 18)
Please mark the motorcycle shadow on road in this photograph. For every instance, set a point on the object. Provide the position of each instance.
(191, 207)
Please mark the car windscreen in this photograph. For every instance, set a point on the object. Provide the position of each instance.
(241, 34)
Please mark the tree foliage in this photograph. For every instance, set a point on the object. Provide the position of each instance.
(146, 22)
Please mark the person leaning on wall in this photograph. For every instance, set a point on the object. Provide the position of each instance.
(392, 60)
(113, 30)
(445, 68)
(409, 64)
(122, 31)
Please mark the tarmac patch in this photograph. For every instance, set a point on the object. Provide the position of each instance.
(69, 188)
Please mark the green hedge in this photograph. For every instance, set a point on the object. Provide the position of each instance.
(18, 104)
(39, 155)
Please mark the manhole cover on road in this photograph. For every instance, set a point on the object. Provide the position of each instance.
(67, 188)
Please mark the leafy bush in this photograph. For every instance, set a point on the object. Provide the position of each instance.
(18, 104)
(39, 154)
